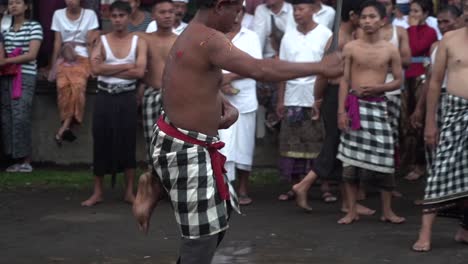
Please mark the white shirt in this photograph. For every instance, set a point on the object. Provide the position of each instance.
(402, 1)
(262, 25)
(297, 47)
(153, 27)
(430, 21)
(69, 28)
(325, 16)
(248, 21)
(246, 100)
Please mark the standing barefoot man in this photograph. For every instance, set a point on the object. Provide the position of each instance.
(185, 141)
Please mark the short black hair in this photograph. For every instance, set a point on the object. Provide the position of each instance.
(451, 9)
(348, 7)
(427, 6)
(157, 2)
(206, 4)
(376, 5)
(121, 5)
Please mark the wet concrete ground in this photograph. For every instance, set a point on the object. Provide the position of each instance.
(49, 226)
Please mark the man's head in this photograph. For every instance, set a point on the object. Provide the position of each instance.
(119, 15)
(303, 11)
(371, 16)
(270, 3)
(389, 8)
(72, 3)
(238, 21)
(350, 12)
(134, 4)
(222, 13)
(180, 7)
(447, 18)
(164, 14)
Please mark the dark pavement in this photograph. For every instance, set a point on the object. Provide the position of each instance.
(49, 226)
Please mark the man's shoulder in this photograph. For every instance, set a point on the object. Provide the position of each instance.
(261, 9)
(328, 9)
(323, 30)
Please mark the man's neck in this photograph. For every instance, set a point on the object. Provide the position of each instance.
(306, 28)
(347, 27)
(74, 11)
(120, 34)
(371, 38)
(276, 8)
(164, 32)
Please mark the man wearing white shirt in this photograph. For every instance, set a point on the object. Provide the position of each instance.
(301, 137)
(179, 25)
(241, 92)
(282, 13)
(325, 15)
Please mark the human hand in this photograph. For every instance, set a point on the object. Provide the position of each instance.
(414, 21)
(332, 65)
(148, 194)
(280, 109)
(229, 117)
(228, 89)
(431, 135)
(315, 111)
(343, 121)
(370, 90)
(416, 119)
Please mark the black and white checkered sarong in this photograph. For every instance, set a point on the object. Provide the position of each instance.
(151, 109)
(440, 118)
(449, 178)
(372, 146)
(394, 112)
(186, 174)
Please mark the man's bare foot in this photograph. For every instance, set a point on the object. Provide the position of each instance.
(348, 219)
(424, 242)
(415, 174)
(93, 200)
(361, 210)
(462, 236)
(392, 218)
(301, 197)
(147, 198)
(397, 194)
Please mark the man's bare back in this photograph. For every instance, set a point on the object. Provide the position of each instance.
(369, 63)
(451, 50)
(159, 46)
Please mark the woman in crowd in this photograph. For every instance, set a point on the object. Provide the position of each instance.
(75, 28)
(21, 42)
(421, 38)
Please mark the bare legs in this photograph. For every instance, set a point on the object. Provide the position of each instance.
(351, 196)
(387, 212)
(97, 195)
(423, 244)
(300, 190)
(244, 198)
(148, 195)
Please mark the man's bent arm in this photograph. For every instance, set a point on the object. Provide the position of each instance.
(397, 73)
(405, 51)
(138, 71)
(98, 67)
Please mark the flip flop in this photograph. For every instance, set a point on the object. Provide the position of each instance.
(287, 196)
(386, 220)
(244, 200)
(328, 197)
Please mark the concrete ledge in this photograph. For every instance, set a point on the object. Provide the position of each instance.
(46, 122)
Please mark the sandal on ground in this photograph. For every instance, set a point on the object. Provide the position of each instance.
(328, 197)
(58, 139)
(289, 196)
(414, 175)
(244, 200)
(68, 135)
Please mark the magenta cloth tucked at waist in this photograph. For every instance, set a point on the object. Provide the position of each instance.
(352, 106)
(17, 85)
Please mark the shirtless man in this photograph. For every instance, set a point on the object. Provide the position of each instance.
(160, 43)
(362, 97)
(447, 184)
(327, 167)
(185, 142)
(118, 59)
